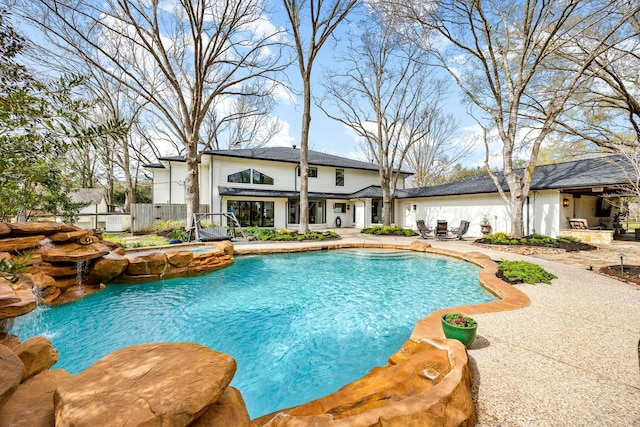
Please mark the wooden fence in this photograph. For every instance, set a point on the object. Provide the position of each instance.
(143, 215)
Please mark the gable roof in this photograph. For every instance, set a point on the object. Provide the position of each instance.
(596, 172)
(283, 154)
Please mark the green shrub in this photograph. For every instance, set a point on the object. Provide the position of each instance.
(167, 225)
(569, 239)
(179, 234)
(261, 234)
(524, 272)
(388, 230)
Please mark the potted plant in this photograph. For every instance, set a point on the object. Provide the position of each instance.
(485, 225)
(460, 327)
(178, 235)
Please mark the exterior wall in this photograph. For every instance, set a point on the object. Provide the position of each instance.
(545, 213)
(169, 185)
(285, 178)
(354, 180)
(541, 213)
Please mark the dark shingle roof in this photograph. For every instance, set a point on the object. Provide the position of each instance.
(372, 191)
(597, 172)
(292, 155)
(283, 154)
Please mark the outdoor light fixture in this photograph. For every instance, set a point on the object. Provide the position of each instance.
(565, 202)
(621, 255)
(415, 207)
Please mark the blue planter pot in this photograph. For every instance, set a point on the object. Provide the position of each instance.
(465, 335)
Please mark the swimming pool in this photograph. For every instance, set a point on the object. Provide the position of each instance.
(299, 325)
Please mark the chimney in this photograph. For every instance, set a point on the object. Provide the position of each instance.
(294, 146)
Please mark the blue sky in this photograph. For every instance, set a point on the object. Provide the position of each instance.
(328, 135)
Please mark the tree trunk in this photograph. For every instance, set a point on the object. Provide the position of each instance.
(192, 181)
(304, 158)
(386, 201)
(517, 219)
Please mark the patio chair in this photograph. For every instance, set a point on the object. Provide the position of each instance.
(441, 229)
(461, 230)
(423, 229)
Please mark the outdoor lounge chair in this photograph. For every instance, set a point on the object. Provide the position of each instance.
(441, 229)
(582, 224)
(461, 230)
(423, 229)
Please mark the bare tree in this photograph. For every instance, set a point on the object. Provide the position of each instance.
(386, 96)
(179, 57)
(607, 111)
(324, 17)
(503, 57)
(433, 157)
(242, 121)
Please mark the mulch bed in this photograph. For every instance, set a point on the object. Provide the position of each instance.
(631, 272)
(558, 247)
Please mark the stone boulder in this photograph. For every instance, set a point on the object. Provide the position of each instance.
(10, 341)
(72, 252)
(49, 295)
(38, 280)
(13, 244)
(32, 403)
(11, 372)
(229, 411)
(70, 236)
(26, 299)
(226, 246)
(37, 354)
(179, 258)
(56, 270)
(7, 294)
(76, 293)
(149, 384)
(145, 265)
(107, 268)
(38, 227)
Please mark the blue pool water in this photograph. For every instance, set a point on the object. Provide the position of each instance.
(299, 325)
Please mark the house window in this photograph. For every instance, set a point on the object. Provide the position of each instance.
(340, 177)
(313, 171)
(243, 177)
(252, 213)
(377, 212)
(317, 212)
(339, 207)
(260, 178)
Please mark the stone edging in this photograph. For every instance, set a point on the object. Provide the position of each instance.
(447, 398)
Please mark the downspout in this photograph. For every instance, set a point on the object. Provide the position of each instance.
(528, 215)
(170, 184)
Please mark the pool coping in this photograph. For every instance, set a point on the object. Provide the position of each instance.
(450, 399)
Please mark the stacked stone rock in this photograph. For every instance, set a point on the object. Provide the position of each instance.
(56, 250)
(175, 384)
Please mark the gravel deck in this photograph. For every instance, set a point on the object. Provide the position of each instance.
(570, 358)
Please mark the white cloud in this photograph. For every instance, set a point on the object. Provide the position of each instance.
(282, 139)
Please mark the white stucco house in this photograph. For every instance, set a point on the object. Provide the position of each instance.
(559, 192)
(262, 187)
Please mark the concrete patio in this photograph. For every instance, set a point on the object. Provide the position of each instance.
(570, 358)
